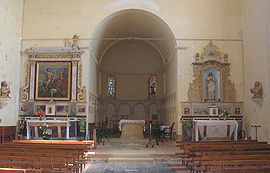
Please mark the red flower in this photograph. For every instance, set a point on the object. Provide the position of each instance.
(40, 113)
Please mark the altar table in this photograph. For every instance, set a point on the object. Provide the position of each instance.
(50, 123)
(215, 129)
(131, 129)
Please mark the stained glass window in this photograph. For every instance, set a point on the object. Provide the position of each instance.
(152, 87)
(111, 87)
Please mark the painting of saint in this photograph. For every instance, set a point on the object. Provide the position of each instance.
(53, 81)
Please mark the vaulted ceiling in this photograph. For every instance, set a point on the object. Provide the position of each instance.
(133, 24)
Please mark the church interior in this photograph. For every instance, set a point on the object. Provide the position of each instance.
(134, 86)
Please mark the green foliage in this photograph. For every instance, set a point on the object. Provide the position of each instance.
(187, 124)
(102, 134)
(224, 114)
(157, 133)
(81, 124)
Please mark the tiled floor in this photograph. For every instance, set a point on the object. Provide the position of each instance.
(160, 155)
(130, 168)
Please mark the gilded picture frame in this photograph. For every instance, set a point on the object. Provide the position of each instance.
(53, 81)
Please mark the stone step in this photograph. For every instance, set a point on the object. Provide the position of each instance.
(130, 160)
(176, 164)
(179, 168)
(183, 171)
(132, 155)
(121, 156)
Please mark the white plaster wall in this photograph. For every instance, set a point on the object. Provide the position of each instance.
(193, 18)
(11, 12)
(256, 34)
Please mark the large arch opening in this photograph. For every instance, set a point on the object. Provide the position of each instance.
(132, 46)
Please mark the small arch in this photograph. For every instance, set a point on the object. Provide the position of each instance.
(139, 112)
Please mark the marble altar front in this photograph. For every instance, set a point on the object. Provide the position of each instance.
(215, 130)
(50, 123)
(131, 129)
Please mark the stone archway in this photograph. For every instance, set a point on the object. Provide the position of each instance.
(134, 45)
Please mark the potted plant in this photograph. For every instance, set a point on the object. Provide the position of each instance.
(157, 134)
(101, 135)
(46, 132)
(21, 125)
(81, 124)
(187, 130)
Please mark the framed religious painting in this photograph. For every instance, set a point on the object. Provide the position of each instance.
(53, 81)
(50, 109)
(23, 109)
(81, 109)
(62, 109)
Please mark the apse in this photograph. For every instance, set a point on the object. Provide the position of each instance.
(131, 47)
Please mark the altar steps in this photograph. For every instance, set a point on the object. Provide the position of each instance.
(132, 157)
(130, 160)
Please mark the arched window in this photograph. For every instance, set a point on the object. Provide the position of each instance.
(152, 87)
(111, 87)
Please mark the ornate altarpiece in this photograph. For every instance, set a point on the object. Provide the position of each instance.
(211, 57)
(210, 63)
(72, 105)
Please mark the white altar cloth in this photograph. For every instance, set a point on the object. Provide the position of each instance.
(121, 122)
(50, 123)
(215, 129)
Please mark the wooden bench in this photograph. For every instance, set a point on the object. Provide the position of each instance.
(232, 156)
(50, 156)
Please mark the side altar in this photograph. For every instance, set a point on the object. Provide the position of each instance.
(210, 93)
(53, 92)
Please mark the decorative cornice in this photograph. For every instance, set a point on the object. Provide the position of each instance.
(63, 53)
(132, 74)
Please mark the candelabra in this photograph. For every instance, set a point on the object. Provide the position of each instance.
(256, 126)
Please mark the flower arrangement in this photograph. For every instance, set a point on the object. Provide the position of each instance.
(40, 114)
(224, 114)
(46, 132)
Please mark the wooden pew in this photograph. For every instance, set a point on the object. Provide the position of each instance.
(67, 155)
(238, 154)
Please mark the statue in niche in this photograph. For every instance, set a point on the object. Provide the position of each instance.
(5, 91)
(257, 91)
(211, 86)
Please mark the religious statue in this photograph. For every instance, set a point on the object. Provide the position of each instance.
(5, 91)
(74, 42)
(211, 86)
(257, 90)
